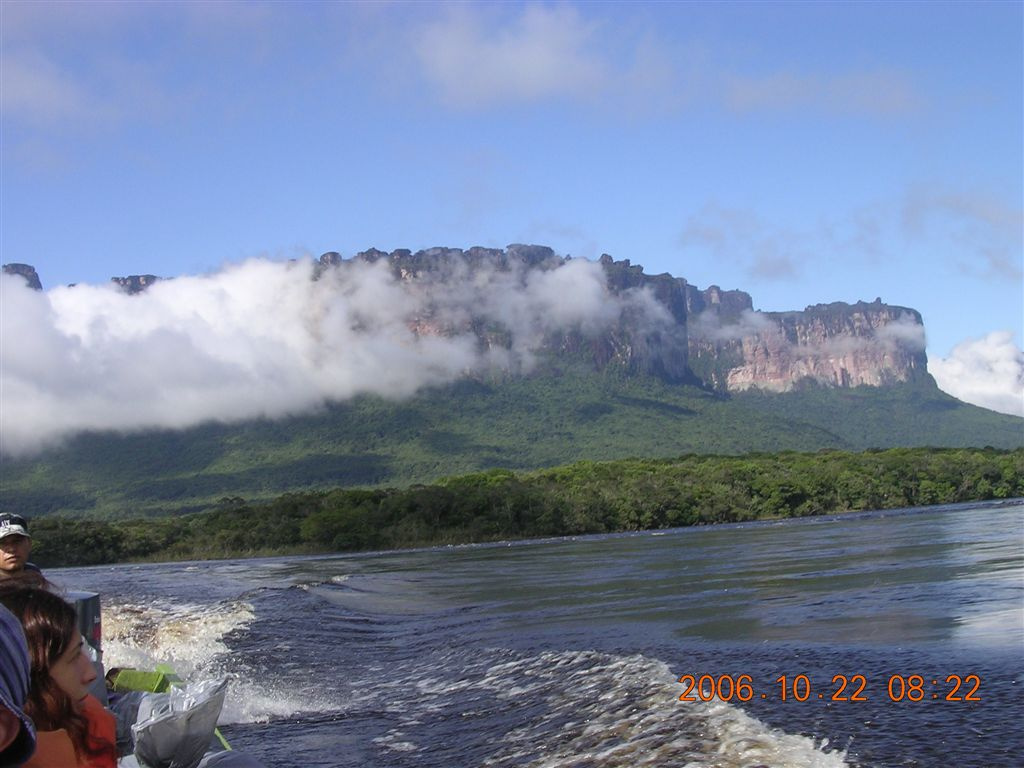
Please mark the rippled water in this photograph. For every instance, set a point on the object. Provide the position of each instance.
(567, 652)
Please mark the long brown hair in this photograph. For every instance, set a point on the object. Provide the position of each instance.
(50, 626)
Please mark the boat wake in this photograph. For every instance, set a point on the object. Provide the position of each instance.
(625, 711)
(188, 637)
(191, 639)
(564, 709)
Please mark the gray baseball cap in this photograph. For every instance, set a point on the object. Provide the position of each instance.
(11, 525)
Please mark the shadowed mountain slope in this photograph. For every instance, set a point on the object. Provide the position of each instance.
(518, 423)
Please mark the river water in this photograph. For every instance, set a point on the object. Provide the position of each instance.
(567, 652)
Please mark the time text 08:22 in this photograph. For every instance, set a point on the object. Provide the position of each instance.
(853, 688)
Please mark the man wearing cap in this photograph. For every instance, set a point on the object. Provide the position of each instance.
(17, 734)
(15, 546)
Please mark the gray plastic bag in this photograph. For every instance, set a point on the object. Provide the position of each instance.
(174, 729)
(125, 709)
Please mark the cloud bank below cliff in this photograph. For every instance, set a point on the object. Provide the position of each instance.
(264, 339)
(988, 372)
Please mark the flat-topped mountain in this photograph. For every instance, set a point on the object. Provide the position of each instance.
(654, 367)
(709, 337)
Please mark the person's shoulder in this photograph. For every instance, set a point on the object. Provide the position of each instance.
(54, 749)
(32, 567)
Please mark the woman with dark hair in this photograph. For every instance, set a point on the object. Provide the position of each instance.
(73, 729)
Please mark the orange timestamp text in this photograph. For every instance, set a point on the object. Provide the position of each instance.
(898, 688)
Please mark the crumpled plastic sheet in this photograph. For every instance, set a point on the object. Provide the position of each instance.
(174, 729)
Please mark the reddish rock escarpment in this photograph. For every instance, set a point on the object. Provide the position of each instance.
(710, 337)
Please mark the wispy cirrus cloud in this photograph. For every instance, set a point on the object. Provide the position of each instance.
(57, 66)
(544, 52)
(979, 235)
(763, 250)
(38, 91)
(988, 233)
(94, 64)
(93, 60)
(475, 56)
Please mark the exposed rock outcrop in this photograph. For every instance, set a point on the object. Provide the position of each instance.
(838, 345)
(711, 337)
(134, 283)
(27, 272)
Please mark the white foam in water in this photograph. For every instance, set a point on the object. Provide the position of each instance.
(190, 639)
(619, 711)
(391, 742)
(598, 709)
(253, 702)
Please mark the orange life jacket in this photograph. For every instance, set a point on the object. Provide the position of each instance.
(55, 750)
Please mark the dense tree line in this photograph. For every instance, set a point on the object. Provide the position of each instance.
(586, 497)
(523, 423)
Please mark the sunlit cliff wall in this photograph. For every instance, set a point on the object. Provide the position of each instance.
(671, 329)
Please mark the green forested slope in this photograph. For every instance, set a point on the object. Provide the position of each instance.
(585, 497)
(519, 424)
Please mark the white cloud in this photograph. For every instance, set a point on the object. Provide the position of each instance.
(265, 339)
(544, 52)
(988, 372)
(708, 326)
(79, 60)
(905, 332)
(478, 56)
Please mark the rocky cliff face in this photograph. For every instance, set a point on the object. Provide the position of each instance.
(709, 337)
(633, 344)
(714, 337)
(27, 272)
(134, 283)
(836, 345)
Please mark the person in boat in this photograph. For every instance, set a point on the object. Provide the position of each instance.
(15, 546)
(17, 733)
(73, 730)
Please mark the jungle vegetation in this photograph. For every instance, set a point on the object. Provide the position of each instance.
(520, 424)
(579, 498)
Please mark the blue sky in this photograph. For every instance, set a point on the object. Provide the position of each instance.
(803, 152)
